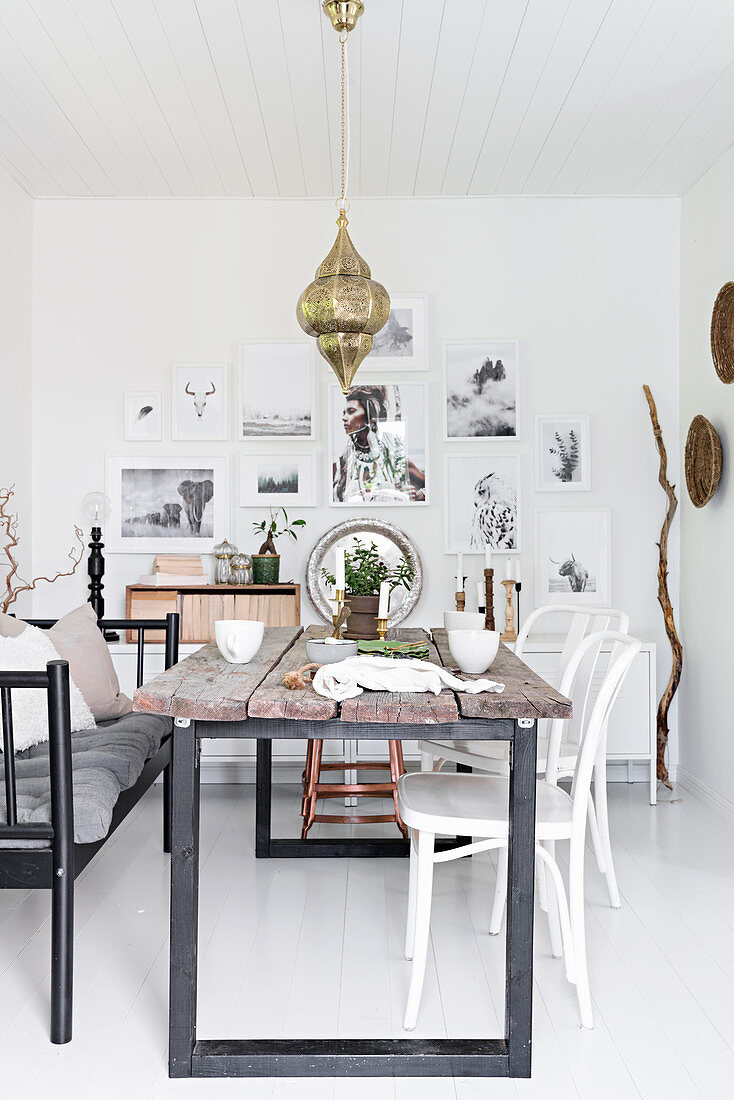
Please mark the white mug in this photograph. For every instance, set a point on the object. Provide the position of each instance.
(238, 640)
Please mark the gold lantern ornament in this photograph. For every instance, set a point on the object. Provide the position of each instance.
(344, 307)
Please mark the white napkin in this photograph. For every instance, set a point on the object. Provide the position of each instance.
(347, 679)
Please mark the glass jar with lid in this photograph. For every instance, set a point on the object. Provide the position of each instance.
(241, 569)
(223, 553)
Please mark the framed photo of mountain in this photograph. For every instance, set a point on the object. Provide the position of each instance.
(403, 342)
(562, 453)
(275, 390)
(480, 390)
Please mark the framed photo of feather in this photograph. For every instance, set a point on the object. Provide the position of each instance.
(481, 503)
(143, 417)
(562, 453)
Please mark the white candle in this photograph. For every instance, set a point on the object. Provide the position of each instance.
(384, 600)
(459, 572)
(517, 572)
(487, 558)
(508, 569)
(481, 595)
(339, 569)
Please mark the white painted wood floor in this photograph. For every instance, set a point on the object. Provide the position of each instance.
(314, 948)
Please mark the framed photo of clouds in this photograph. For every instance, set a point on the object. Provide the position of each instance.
(481, 503)
(275, 390)
(403, 343)
(378, 445)
(277, 480)
(573, 556)
(562, 453)
(143, 417)
(480, 389)
(199, 406)
(174, 504)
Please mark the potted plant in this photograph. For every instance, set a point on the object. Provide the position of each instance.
(364, 572)
(266, 563)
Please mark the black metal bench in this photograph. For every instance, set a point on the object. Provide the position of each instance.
(55, 865)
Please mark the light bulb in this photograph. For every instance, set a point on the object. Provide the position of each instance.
(96, 508)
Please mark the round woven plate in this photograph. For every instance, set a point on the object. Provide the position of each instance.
(703, 461)
(722, 333)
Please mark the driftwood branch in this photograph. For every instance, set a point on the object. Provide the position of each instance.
(664, 596)
(9, 528)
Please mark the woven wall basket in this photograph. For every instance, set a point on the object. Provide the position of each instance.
(722, 333)
(703, 461)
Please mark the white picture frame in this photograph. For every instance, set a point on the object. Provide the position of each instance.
(142, 416)
(403, 342)
(199, 402)
(477, 409)
(275, 390)
(141, 488)
(399, 426)
(563, 453)
(569, 542)
(277, 480)
(482, 497)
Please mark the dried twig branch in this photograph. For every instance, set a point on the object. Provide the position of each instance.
(664, 596)
(9, 526)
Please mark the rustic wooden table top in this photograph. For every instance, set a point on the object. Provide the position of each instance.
(205, 687)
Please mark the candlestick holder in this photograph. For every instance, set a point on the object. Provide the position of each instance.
(518, 589)
(460, 601)
(489, 599)
(509, 634)
(338, 617)
(382, 629)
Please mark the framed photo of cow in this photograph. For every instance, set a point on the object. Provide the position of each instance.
(199, 404)
(573, 556)
(174, 504)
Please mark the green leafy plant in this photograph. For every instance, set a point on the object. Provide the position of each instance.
(364, 571)
(269, 527)
(567, 454)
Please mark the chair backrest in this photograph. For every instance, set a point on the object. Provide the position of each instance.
(577, 624)
(624, 649)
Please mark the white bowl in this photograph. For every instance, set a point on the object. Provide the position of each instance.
(321, 653)
(238, 640)
(474, 650)
(463, 620)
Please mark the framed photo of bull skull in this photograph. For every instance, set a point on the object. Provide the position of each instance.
(199, 405)
(573, 556)
(481, 503)
(173, 504)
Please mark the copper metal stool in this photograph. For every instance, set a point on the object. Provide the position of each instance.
(313, 788)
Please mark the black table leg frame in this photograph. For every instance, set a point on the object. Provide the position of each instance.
(189, 1057)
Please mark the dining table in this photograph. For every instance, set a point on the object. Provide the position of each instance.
(208, 697)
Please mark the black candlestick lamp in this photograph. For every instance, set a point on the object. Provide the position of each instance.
(96, 507)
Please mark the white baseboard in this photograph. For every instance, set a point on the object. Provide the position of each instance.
(706, 793)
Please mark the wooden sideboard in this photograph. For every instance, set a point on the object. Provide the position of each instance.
(201, 605)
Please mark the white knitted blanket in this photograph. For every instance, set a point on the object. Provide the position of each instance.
(347, 679)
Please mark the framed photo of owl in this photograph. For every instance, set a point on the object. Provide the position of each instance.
(562, 453)
(480, 390)
(481, 503)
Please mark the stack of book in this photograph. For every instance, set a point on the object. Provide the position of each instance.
(175, 570)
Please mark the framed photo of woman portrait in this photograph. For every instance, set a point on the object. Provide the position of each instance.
(378, 445)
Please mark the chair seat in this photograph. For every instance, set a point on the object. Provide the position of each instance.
(477, 805)
(495, 755)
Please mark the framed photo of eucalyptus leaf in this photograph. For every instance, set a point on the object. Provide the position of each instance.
(562, 453)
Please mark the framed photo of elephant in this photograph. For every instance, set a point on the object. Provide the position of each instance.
(167, 504)
(572, 550)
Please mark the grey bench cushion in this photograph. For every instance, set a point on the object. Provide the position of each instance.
(105, 761)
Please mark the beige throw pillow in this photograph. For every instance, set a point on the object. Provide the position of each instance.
(79, 641)
(10, 627)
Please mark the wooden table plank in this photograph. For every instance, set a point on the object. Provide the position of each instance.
(403, 708)
(526, 694)
(204, 686)
(273, 699)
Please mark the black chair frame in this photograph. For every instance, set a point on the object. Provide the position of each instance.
(56, 866)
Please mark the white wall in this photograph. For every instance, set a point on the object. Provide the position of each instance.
(707, 534)
(588, 286)
(16, 240)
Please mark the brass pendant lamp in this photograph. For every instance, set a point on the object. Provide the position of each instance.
(344, 306)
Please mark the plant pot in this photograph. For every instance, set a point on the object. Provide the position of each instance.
(362, 621)
(265, 568)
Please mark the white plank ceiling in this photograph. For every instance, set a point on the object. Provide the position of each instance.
(237, 98)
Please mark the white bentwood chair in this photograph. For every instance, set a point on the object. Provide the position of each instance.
(493, 756)
(477, 805)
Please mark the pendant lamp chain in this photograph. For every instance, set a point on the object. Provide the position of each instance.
(343, 38)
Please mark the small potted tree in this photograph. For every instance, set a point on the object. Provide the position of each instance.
(364, 573)
(266, 563)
